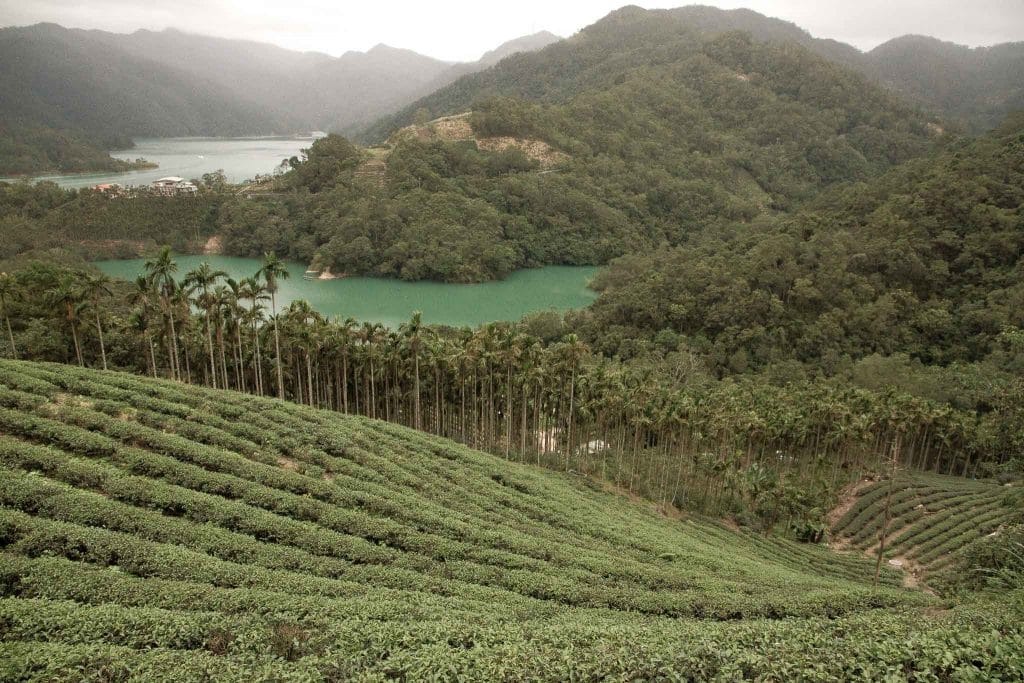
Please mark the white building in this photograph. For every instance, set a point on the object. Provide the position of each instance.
(173, 185)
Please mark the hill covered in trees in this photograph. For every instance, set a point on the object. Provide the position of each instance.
(924, 260)
(975, 89)
(665, 135)
(30, 149)
(171, 83)
(102, 89)
(153, 529)
(68, 79)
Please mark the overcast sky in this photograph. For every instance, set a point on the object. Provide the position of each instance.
(464, 29)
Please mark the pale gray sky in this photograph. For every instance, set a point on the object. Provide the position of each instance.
(464, 29)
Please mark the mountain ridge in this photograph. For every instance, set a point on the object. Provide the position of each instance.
(1002, 75)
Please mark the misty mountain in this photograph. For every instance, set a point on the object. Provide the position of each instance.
(974, 87)
(987, 86)
(73, 80)
(162, 83)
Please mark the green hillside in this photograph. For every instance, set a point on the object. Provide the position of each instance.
(31, 148)
(931, 521)
(667, 134)
(924, 260)
(974, 88)
(69, 80)
(153, 531)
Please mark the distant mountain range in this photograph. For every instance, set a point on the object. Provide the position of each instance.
(972, 88)
(91, 87)
(173, 83)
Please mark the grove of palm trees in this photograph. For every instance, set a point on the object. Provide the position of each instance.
(774, 457)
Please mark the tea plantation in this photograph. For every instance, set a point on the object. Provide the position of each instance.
(931, 519)
(151, 531)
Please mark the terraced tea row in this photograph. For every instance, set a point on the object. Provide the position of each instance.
(930, 518)
(155, 531)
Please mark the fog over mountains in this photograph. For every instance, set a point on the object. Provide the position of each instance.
(103, 86)
(173, 83)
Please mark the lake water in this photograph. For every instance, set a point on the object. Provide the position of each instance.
(240, 158)
(392, 302)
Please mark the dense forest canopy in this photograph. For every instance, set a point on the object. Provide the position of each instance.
(32, 148)
(975, 89)
(924, 260)
(704, 135)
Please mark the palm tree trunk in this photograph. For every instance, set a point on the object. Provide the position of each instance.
(572, 404)
(175, 361)
(417, 389)
(10, 336)
(344, 381)
(258, 379)
(209, 347)
(78, 347)
(152, 353)
(309, 378)
(240, 362)
(99, 329)
(522, 424)
(508, 410)
(277, 347)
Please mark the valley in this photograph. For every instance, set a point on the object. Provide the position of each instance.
(688, 347)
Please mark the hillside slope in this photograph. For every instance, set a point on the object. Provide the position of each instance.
(71, 80)
(150, 529)
(656, 141)
(168, 83)
(931, 520)
(975, 88)
(924, 260)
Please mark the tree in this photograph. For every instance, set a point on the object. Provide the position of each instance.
(412, 333)
(574, 350)
(95, 287)
(273, 270)
(161, 270)
(8, 292)
(202, 279)
(250, 288)
(68, 295)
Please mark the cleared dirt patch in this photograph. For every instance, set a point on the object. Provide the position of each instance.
(538, 150)
(213, 246)
(288, 464)
(847, 498)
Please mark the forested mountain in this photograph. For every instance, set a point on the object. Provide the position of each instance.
(71, 94)
(71, 80)
(31, 148)
(661, 135)
(923, 261)
(174, 83)
(309, 90)
(976, 88)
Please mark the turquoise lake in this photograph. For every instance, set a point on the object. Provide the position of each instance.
(391, 302)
